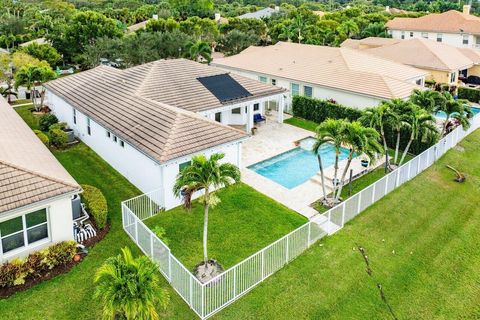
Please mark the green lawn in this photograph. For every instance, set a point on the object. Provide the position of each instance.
(244, 222)
(302, 123)
(422, 242)
(28, 116)
(21, 101)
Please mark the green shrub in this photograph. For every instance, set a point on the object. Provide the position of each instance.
(430, 83)
(12, 273)
(320, 110)
(58, 125)
(42, 136)
(96, 205)
(472, 95)
(58, 138)
(59, 254)
(46, 121)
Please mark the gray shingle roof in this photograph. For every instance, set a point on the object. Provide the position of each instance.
(152, 106)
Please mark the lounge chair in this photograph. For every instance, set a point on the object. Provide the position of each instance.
(257, 118)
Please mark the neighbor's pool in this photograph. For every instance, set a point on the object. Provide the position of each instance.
(294, 167)
(443, 115)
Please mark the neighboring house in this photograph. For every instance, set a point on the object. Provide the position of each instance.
(38, 41)
(148, 121)
(396, 11)
(137, 26)
(459, 29)
(260, 14)
(443, 62)
(345, 75)
(35, 191)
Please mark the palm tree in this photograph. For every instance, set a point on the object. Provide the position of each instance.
(31, 76)
(349, 28)
(287, 33)
(376, 29)
(420, 123)
(458, 109)
(129, 287)
(298, 27)
(330, 131)
(426, 99)
(197, 50)
(207, 175)
(8, 92)
(376, 118)
(397, 108)
(361, 141)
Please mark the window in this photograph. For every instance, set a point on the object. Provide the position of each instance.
(453, 76)
(236, 111)
(89, 130)
(439, 37)
(122, 144)
(262, 79)
(184, 165)
(425, 35)
(109, 134)
(218, 117)
(307, 91)
(256, 107)
(402, 35)
(418, 82)
(295, 89)
(465, 39)
(411, 34)
(74, 116)
(274, 82)
(115, 138)
(24, 230)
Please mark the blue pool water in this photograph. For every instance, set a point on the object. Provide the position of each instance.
(294, 167)
(443, 115)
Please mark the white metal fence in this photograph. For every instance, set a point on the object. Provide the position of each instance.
(205, 299)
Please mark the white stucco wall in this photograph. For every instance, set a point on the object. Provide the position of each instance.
(453, 39)
(60, 224)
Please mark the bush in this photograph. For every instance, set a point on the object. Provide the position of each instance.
(472, 95)
(58, 138)
(59, 254)
(42, 136)
(58, 125)
(320, 110)
(96, 205)
(46, 121)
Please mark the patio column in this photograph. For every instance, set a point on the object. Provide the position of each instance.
(249, 118)
(281, 107)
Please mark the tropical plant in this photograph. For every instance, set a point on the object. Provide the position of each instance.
(426, 99)
(8, 92)
(129, 288)
(31, 76)
(421, 124)
(348, 28)
(458, 109)
(197, 50)
(376, 29)
(206, 174)
(397, 108)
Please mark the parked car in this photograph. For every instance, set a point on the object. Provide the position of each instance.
(473, 80)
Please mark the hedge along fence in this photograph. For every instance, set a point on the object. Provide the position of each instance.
(470, 94)
(96, 205)
(320, 110)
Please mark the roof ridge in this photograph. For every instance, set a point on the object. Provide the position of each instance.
(41, 175)
(428, 46)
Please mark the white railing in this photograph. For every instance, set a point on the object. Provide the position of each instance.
(205, 299)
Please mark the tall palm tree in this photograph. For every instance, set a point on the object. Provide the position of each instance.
(197, 50)
(349, 28)
(426, 99)
(376, 118)
(421, 123)
(330, 131)
(207, 175)
(458, 109)
(298, 27)
(376, 29)
(129, 288)
(361, 141)
(397, 109)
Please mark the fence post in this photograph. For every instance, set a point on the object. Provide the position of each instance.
(409, 168)
(343, 214)
(263, 265)
(169, 266)
(359, 202)
(397, 182)
(235, 283)
(418, 164)
(309, 233)
(203, 301)
(151, 245)
(136, 230)
(374, 188)
(191, 291)
(386, 183)
(286, 253)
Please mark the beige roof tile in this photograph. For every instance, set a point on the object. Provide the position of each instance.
(338, 68)
(28, 171)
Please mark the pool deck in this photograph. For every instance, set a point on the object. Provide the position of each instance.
(271, 139)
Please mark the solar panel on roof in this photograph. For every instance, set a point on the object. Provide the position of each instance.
(224, 87)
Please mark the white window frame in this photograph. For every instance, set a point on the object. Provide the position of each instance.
(74, 116)
(439, 37)
(425, 35)
(402, 35)
(297, 90)
(453, 76)
(262, 79)
(311, 91)
(89, 128)
(465, 39)
(122, 143)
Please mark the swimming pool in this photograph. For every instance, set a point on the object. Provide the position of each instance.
(443, 115)
(294, 167)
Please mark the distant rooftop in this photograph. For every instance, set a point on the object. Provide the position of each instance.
(260, 14)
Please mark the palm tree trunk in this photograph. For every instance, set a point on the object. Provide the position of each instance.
(205, 229)
(335, 173)
(406, 150)
(385, 149)
(397, 146)
(322, 176)
(445, 126)
(42, 97)
(339, 192)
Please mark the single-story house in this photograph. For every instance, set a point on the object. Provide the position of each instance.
(443, 62)
(35, 191)
(347, 76)
(148, 121)
(260, 14)
(38, 41)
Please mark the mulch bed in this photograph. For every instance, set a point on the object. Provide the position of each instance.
(49, 274)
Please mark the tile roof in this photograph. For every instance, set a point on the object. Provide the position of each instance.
(262, 13)
(450, 21)
(28, 171)
(421, 53)
(472, 54)
(370, 42)
(338, 68)
(152, 106)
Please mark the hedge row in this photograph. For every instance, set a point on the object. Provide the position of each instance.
(37, 264)
(320, 110)
(96, 205)
(472, 95)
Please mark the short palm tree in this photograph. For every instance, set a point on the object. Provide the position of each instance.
(426, 99)
(458, 109)
(197, 50)
(376, 118)
(330, 131)
(206, 174)
(421, 123)
(376, 29)
(360, 141)
(8, 92)
(129, 288)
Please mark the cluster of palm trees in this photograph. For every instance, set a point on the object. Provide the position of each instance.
(368, 136)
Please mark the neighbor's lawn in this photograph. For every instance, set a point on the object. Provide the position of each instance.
(28, 116)
(302, 123)
(21, 101)
(244, 222)
(422, 243)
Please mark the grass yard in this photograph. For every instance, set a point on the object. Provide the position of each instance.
(244, 222)
(28, 116)
(21, 101)
(301, 123)
(422, 243)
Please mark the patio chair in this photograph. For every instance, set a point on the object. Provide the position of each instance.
(257, 118)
